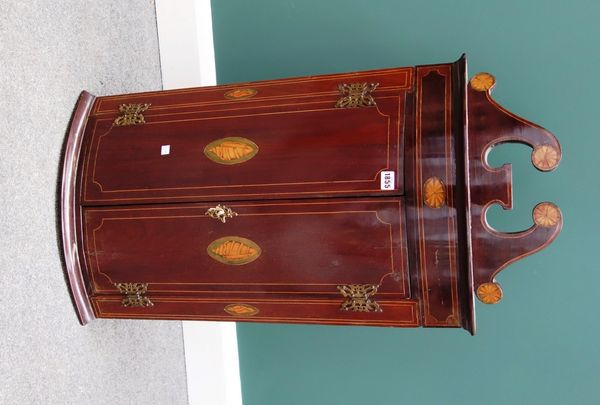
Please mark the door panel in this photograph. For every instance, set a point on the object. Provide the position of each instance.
(278, 248)
(306, 149)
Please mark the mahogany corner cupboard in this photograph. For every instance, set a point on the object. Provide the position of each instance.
(356, 198)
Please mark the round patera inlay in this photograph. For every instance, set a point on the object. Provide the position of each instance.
(434, 193)
(489, 293)
(546, 214)
(545, 157)
(483, 81)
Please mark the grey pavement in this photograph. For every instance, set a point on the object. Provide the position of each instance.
(49, 52)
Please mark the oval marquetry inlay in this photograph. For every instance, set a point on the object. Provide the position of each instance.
(234, 250)
(434, 193)
(489, 293)
(240, 94)
(231, 150)
(546, 215)
(241, 310)
(483, 81)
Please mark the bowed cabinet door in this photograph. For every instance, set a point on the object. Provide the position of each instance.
(325, 136)
(309, 255)
(282, 248)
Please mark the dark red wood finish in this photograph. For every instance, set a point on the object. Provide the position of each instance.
(269, 93)
(310, 199)
(70, 210)
(399, 313)
(306, 147)
(437, 227)
(490, 125)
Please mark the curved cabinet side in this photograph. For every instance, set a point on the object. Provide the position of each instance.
(69, 208)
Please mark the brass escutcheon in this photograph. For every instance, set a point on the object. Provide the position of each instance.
(221, 213)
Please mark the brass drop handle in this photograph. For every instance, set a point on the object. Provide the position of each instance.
(221, 213)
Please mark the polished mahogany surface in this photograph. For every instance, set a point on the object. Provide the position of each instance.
(357, 198)
(70, 230)
(436, 214)
(305, 247)
(291, 140)
(494, 250)
(398, 313)
(269, 93)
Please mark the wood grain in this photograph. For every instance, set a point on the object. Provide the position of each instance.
(304, 179)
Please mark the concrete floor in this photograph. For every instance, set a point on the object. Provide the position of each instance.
(49, 52)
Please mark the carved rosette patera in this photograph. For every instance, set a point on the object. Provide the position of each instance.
(434, 193)
(546, 215)
(355, 95)
(358, 297)
(241, 310)
(483, 81)
(489, 293)
(131, 114)
(545, 157)
(234, 250)
(134, 294)
(231, 150)
(221, 213)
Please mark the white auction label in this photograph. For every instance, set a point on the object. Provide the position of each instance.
(165, 149)
(388, 180)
